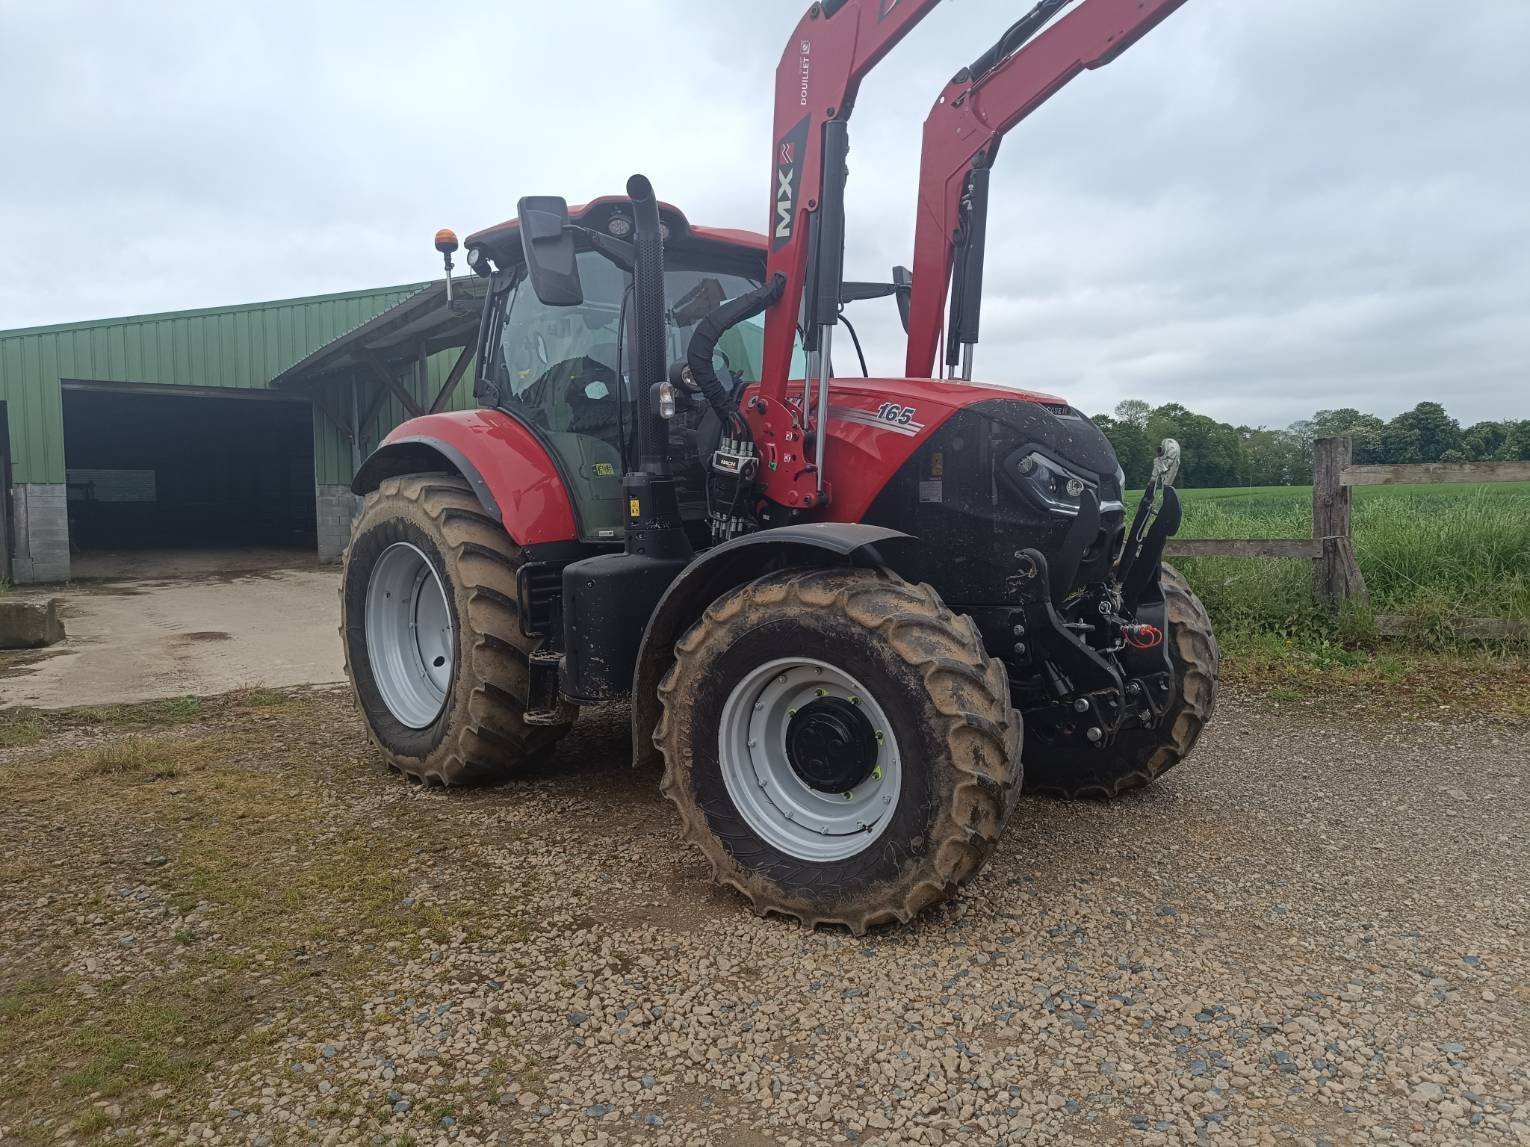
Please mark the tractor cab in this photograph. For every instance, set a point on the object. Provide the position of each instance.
(565, 371)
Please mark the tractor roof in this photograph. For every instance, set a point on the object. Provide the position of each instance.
(502, 242)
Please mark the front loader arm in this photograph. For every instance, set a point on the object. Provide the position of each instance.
(976, 109)
(832, 49)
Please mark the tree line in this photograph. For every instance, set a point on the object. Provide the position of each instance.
(1219, 454)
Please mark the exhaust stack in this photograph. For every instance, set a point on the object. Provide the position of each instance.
(654, 529)
(649, 336)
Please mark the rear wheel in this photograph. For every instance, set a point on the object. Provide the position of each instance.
(839, 745)
(1140, 756)
(432, 637)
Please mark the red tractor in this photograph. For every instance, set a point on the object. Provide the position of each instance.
(832, 601)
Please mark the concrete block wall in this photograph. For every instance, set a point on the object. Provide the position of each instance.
(337, 508)
(40, 532)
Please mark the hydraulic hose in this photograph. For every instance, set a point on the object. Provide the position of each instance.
(1014, 38)
(698, 353)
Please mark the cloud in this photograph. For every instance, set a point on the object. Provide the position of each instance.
(1263, 208)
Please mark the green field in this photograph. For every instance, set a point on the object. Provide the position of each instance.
(1436, 554)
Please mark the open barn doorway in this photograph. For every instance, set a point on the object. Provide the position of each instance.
(182, 480)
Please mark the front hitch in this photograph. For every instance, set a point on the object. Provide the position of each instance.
(1146, 566)
(1152, 527)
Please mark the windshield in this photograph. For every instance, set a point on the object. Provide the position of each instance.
(564, 370)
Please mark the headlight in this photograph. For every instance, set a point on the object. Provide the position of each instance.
(1049, 484)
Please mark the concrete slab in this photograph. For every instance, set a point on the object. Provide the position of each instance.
(26, 624)
(142, 639)
(96, 565)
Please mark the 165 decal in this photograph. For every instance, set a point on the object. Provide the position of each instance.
(893, 416)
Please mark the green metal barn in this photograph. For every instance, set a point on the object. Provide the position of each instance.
(222, 427)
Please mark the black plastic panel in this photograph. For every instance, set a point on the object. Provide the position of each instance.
(971, 520)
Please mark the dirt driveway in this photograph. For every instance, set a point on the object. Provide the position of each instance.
(201, 632)
(225, 923)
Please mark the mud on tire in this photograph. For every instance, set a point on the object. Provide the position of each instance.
(1141, 756)
(945, 700)
(480, 734)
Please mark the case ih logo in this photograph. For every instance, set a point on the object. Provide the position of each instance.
(785, 194)
(885, 7)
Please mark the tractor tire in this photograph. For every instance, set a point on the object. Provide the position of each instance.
(890, 758)
(1140, 756)
(433, 643)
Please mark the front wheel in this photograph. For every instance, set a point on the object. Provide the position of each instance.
(433, 643)
(839, 745)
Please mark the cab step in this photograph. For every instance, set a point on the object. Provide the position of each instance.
(543, 704)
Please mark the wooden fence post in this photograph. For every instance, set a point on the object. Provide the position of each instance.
(1336, 576)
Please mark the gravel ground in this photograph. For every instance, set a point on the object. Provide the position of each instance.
(238, 930)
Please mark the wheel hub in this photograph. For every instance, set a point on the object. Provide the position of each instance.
(831, 745)
(809, 759)
(411, 641)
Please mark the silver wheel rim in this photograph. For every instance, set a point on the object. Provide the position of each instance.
(411, 643)
(777, 804)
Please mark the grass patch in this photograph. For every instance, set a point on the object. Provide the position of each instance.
(259, 697)
(148, 1044)
(1484, 681)
(291, 884)
(1435, 554)
(20, 727)
(60, 1044)
(31, 995)
(172, 711)
(1284, 693)
(92, 1123)
(132, 756)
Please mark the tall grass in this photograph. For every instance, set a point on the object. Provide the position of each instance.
(1434, 554)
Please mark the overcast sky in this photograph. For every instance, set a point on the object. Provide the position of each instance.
(1265, 207)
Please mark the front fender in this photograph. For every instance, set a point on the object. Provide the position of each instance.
(733, 564)
(509, 469)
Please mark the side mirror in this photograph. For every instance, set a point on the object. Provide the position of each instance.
(903, 282)
(549, 247)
